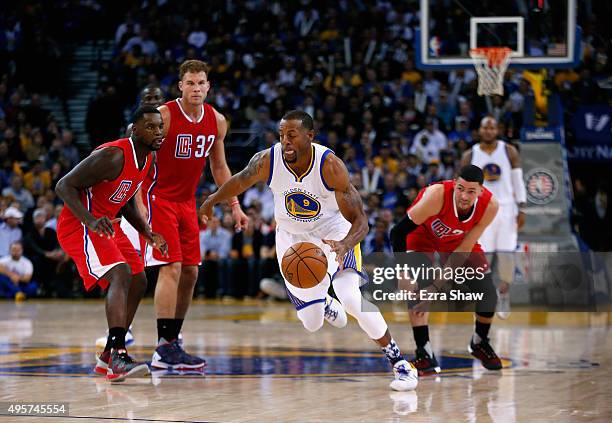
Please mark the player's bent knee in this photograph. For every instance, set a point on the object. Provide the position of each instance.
(140, 279)
(487, 304)
(351, 305)
(121, 273)
(311, 326)
(189, 273)
(170, 271)
(311, 317)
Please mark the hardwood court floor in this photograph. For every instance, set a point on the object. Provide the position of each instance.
(263, 366)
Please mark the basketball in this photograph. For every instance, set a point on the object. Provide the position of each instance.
(304, 265)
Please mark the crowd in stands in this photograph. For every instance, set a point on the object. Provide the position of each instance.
(350, 65)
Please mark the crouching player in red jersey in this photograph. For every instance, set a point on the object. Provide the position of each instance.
(449, 217)
(88, 231)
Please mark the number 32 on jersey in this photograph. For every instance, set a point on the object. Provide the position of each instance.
(185, 146)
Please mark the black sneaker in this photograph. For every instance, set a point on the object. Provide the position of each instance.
(193, 361)
(121, 365)
(424, 363)
(171, 355)
(485, 353)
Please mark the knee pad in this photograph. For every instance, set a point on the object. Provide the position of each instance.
(489, 300)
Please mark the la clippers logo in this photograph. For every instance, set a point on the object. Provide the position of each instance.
(183, 146)
(441, 230)
(121, 192)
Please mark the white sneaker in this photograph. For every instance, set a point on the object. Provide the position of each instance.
(273, 288)
(334, 312)
(503, 305)
(129, 339)
(406, 376)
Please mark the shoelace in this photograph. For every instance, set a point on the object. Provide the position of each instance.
(402, 370)
(421, 359)
(332, 314)
(125, 357)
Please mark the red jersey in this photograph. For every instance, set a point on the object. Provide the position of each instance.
(444, 231)
(182, 157)
(106, 198)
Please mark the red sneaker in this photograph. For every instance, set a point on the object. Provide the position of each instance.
(485, 353)
(121, 366)
(425, 364)
(102, 360)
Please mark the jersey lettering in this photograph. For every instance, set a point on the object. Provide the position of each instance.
(201, 149)
(183, 146)
(121, 192)
(441, 230)
(203, 145)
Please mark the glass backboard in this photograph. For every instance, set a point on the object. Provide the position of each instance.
(541, 33)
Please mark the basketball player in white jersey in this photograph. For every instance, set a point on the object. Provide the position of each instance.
(503, 176)
(326, 211)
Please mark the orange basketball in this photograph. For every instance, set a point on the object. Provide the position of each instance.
(304, 265)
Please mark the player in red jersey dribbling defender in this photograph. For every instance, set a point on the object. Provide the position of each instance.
(449, 217)
(88, 231)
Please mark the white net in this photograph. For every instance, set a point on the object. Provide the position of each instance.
(491, 64)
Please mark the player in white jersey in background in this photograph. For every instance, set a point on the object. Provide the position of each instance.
(503, 176)
(301, 171)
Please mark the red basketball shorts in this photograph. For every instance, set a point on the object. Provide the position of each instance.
(177, 222)
(95, 255)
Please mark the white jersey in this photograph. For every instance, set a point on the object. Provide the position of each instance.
(497, 171)
(304, 204)
(501, 234)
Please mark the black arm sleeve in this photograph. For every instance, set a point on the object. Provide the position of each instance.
(399, 233)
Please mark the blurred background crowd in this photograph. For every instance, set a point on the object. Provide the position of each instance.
(350, 65)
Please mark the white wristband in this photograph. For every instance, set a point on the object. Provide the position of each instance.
(520, 194)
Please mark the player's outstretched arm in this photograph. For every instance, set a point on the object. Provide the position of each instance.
(257, 170)
(518, 186)
(101, 165)
(349, 202)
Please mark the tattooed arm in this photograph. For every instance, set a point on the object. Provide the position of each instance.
(349, 202)
(257, 170)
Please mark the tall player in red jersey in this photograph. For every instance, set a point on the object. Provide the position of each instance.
(94, 192)
(449, 217)
(193, 131)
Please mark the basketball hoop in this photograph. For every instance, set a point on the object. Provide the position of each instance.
(491, 64)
